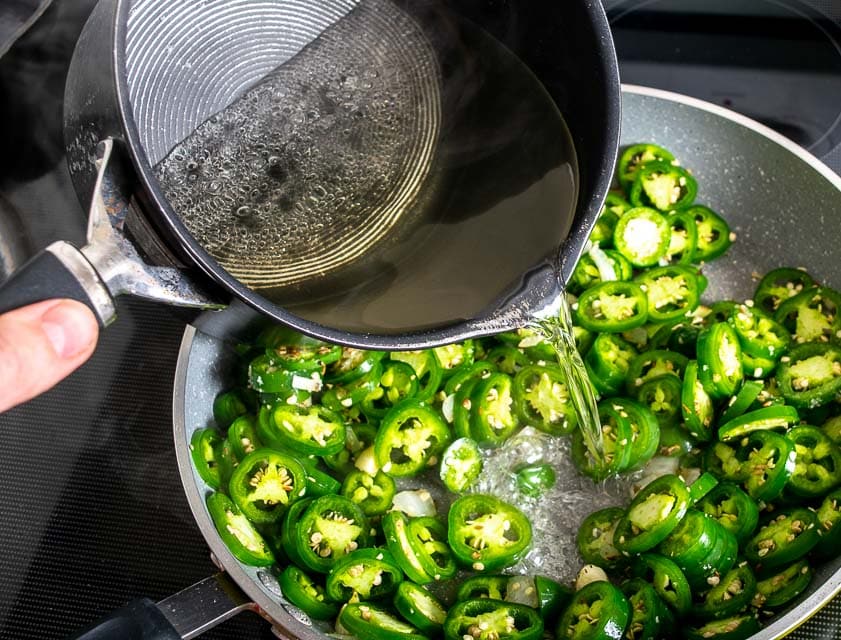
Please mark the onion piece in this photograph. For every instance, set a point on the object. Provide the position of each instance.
(414, 503)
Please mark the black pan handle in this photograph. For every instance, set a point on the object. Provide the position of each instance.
(138, 620)
(59, 271)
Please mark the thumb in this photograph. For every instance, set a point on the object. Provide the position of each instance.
(40, 345)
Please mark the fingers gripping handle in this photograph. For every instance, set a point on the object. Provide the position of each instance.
(138, 620)
(59, 271)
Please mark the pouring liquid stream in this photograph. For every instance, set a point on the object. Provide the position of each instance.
(556, 329)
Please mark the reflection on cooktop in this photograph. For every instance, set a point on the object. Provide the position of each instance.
(776, 61)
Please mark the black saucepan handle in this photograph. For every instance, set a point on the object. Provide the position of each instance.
(59, 271)
(138, 620)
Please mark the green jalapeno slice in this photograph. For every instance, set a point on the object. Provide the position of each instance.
(672, 292)
(811, 315)
(411, 437)
(607, 362)
(542, 399)
(810, 375)
(238, 534)
(646, 610)
(664, 186)
(486, 533)
(330, 528)
(364, 574)
(493, 587)
(778, 285)
(829, 531)
(759, 334)
(312, 430)
(552, 599)
(461, 464)
(369, 622)
(735, 510)
(373, 494)
(265, 483)
(616, 441)
(788, 536)
(612, 307)
(783, 587)
(486, 619)
(667, 579)
(652, 515)
(493, 418)
(227, 407)
(452, 356)
(306, 594)
(398, 382)
(768, 463)
(420, 608)
(719, 360)
(597, 611)
(595, 538)
(428, 370)
(778, 417)
(204, 447)
(817, 466)
(730, 595)
(713, 233)
(696, 404)
(662, 396)
(642, 236)
(738, 627)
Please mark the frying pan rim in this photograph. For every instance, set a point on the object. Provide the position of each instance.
(163, 213)
(782, 626)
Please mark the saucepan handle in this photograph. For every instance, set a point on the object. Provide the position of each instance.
(184, 615)
(138, 620)
(59, 271)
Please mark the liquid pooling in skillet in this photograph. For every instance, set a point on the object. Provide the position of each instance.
(402, 171)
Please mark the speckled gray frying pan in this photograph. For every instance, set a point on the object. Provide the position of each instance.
(784, 205)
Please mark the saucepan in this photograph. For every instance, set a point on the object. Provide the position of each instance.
(774, 194)
(345, 115)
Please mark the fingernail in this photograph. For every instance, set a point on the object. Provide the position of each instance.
(70, 328)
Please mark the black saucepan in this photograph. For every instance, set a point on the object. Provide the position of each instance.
(146, 73)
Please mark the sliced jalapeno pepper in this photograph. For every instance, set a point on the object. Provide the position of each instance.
(486, 619)
(358, 437)
(238, 534)
(616, 441)
(266, 376)
(636, 156)
(479, 369)
(493, 419)
(789, 536)
(735, 510)
(296, 351)
(552, 599)
(738, 627)
(661, 396)
(461, 464)
(652, 515)
(705, 483)
(420, 608)
(428, 538)
(672, 292)
(664, 186)
(667, 579)
(612, 307)
(652, 364)
(719, 360)
(811, 315)
(452, 356)
(646, 610)
(778, 285)
(645, 430)
(227, 407)
(642, 236)
(702, 548)
(396, 530)
(731, 594)
(696, 405)
(783, 587)
(364, 574)
(411, 437)
(306, 430)
(595, 538)
(740, 403)
(426, 366)
(768, 463)
(398, 382)
(721, 460)
(329, 529)
(778, 417)
(486, 533)
(602, 233)
(811, 375)
(373, 494)
(320, 483)
(817, 466)
(759, 334)
(351, 365)
(607, 362)
(684, 238)
(597, 611)
(829, 525)
(599, 265)
(309, 596)
(226, 463)
(542, 399)
(265, 483)
(242, 435)
(493, 587)
(507, 359)
(204, 447)
(714, 236)
(533, 480)
(368, 622)
(348, 395)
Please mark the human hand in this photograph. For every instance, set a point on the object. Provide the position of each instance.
(42, 344)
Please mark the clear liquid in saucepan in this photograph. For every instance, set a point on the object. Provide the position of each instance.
(400, 172)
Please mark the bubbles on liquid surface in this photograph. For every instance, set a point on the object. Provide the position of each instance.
(324, 119)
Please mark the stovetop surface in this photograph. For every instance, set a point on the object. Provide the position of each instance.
(91, 505)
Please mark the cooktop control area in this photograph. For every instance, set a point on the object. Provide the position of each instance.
(92, 510)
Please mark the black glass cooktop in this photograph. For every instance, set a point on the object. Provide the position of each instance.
(91, 506)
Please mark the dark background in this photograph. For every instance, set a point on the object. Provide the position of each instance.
(92, 512)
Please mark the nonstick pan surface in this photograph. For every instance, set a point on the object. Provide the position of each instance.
(783, 204)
